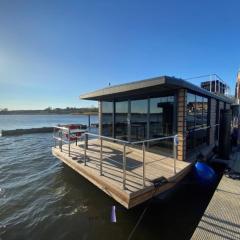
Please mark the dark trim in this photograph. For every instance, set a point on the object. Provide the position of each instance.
(147, 87)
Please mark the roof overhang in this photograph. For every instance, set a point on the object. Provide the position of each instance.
(147, 88)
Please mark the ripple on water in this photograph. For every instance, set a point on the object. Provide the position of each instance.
(2, 192)
(41, 198)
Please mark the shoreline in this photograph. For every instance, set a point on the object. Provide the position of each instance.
(73, 114)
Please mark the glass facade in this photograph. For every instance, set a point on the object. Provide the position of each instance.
(161, 116)
(141, 119)
(196, 118)
(121, 120)
(139, 111)
(107, 119)
(136, 120)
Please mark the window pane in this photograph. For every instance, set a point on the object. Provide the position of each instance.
(161, 121)
(205, 111)
(190, 120)
(196, 118)
(199, 112)
(107, 117)
(121, 117)
(139, 109)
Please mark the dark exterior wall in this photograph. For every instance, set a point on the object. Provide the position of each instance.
(228, 106)
(212, 119)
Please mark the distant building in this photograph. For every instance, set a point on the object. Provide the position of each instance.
(216, 86)
(237, 89)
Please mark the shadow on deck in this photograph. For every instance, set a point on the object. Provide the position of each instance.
(111, 180)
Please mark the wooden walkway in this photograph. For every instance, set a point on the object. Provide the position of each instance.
(221, 219)
(111, 182)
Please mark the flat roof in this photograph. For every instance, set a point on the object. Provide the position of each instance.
(148, 87)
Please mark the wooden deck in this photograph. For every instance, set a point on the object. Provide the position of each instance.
(111, 181)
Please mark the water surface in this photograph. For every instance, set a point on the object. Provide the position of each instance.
(9, 122)
(41, 198)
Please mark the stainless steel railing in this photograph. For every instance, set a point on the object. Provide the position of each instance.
(207, 127)
(127, 143)
(85, 135)
(63, 130)
(60, 133)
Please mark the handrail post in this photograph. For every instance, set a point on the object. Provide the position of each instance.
(69, 142)
(124, 166)
(175, 143)
(85, 149)
(86, 140)
(143, 158)
(101, 143)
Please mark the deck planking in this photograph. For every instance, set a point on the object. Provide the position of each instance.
(110, 181)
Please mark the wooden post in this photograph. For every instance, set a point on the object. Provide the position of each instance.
(181, 123)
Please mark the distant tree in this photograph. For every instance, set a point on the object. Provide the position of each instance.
(48, 109)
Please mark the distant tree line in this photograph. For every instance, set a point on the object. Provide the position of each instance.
(49, 110)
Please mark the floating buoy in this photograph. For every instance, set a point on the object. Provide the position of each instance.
(204, 173)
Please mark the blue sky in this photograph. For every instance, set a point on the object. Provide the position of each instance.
(53, 51)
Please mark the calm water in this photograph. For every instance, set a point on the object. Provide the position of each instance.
(31, 121)
(41, 198)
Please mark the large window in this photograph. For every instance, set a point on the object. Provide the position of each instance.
(196, 121)
(107, 119)
(136, 120)
(205, 120)
(121, 120)
(191, 109)
(139, 110)
(161, 120)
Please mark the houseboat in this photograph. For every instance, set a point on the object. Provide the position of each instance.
(151, 132)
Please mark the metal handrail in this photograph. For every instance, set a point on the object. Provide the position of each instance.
(128, 142)
(61, 139)
(125, 143)
(107, 138)
(154, 139)
(208, 127)
(101, 137)
(202, 128)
